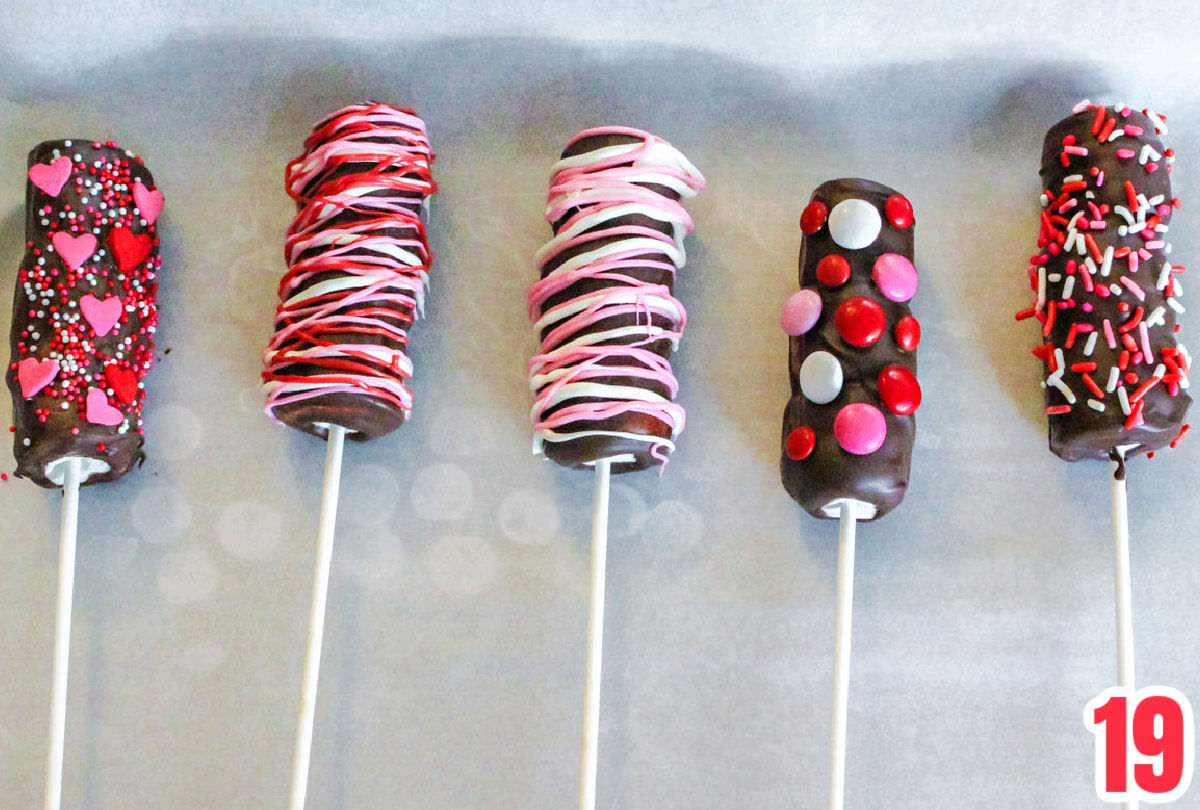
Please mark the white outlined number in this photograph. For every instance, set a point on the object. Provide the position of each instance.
(1145, 744)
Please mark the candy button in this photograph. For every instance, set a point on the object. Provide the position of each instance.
(908, 333)
(854, 223)
(899, 211)
(896, 277)
(813, 216)
(860, 428)
(800, 312)
(800, 443)
(860, 321)
(833, 270)
(821, 377)
(899, 390)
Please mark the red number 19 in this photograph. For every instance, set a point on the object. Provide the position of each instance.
(1154, 748)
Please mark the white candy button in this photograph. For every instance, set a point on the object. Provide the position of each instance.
(854, 224)
(821, 377)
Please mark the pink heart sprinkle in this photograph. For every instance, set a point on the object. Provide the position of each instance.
(99, 412)
(75, 250)
(102, 315)
(51, 177)
(34, 374)
(148, 202)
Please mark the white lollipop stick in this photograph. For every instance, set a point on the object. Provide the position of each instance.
(62, 634)
(316, 623)
(595, 639)
(1124, 586)
(841, 656)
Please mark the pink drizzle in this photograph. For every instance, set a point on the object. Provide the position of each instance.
(600, 186)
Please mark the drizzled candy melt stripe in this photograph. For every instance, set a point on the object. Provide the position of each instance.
(600, 186)
(1105, 289)
(362, 178)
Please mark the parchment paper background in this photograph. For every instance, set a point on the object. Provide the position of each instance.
(454, 654)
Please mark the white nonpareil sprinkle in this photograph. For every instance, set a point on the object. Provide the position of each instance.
(1114, 377)
(1041, 289)
(1067, 393)
(1163, 275)
(1174, 304)
(1090, 346)
(1156, 316)
(1096, 405)
(1069, 288)
(1106, 264)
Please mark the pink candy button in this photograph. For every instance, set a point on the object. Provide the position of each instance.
(896, 277)
(860, 428)
(800, 312)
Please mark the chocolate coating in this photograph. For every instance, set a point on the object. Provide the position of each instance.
(1084, 432)
(357, 256)
(51, 326)
(830, 473)
(586, 450)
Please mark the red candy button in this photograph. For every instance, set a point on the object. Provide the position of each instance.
(860, 321)
(908, 333)
(899, 390)
(813, 216)
(899, 211)
(833, 270)
(800, 443)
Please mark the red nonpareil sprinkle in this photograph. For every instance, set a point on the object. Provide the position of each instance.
(1123, 361)
(1053, 410)
(1091, 384)
(1098, 121)
(1093, 248)
(3, 476)
(1183, 431)
(1108, 129)
(1135, 415)
(1083, 366)
(1070, 341)
(1043, 352)
(1137, 395)
(1131, 378)
(1051, 311)
(1025, 313)
(1073, 186)
(1131, 196)
(1133, 321)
